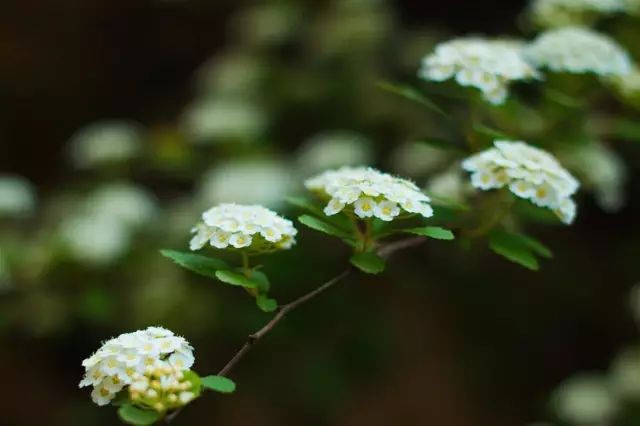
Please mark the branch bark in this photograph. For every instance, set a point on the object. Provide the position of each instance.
(384, 251)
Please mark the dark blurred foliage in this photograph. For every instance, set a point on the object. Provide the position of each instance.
(447, 336)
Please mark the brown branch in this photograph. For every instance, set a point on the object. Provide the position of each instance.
(384, 251)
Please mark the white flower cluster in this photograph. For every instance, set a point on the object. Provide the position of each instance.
(102, 227)
(17, 196)
(208, 121)
(578, 50)
(131, 358)
(251, 227)
(585, 399)
(263, 182)
(369, 193)
(333, 149)
(555, 13)
(529, 172)
(106, 142)
(602, 170)
(488, 65)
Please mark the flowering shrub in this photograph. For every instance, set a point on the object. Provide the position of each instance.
(148, 373)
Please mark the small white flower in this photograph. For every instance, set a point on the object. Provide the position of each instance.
(386, 210)
(334, 206)
(529, 173)
(488, 65)
(364, 207)
(578, 50)
(367, 192)
(140, 385)
(238, 226)
(101, 395)
(240, 240)
(181, 361)
(522, 188)
(186, 397)
(220, 239)
(113, 384)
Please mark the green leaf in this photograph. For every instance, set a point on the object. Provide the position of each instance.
(563, 99)
(412, 94)
(305, 204)
(261, 280)
(203, 265)
(322, 226)
(513, 248)
(627, 130)
(338, 220)
(137, 416)
(435, 232)
(368, 262)
(235, 278)
(196, 382)
(218, 384)
(535, 245)
(265, 303)
(490, 132)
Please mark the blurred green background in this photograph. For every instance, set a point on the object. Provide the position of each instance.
(128, 118)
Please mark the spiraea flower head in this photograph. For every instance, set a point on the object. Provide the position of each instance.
(243, 227)
(578, 50)
(555, 13)
(530, 173)
(126, 362)
(367, 193)
(486, 64)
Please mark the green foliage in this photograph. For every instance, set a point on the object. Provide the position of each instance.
(490, 132)
(518, 248)
(265, 303)
(412, 94)
(218, 384)
(202, 265)
(237, 279)
(368, 262)
(261, 280)
(196, 382)
(303, 203)
(435, 232)
(136, 416)
(323, 226)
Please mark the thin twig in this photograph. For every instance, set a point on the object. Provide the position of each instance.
(384, 251)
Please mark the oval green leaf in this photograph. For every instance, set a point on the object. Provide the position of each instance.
(435, 232)
(234, 278)
(203, 265)
(513, 249)
(136, 416)
(218, 384)
(265, 303)
(322, 226)
(368, 262)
